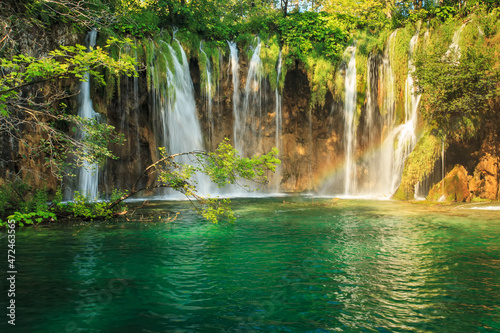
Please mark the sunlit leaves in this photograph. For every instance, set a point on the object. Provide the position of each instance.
(319, 34)
(39, 105)
(224, 166)
(65, 62)
(457, 90)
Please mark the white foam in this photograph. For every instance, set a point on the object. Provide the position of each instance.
(486, 208)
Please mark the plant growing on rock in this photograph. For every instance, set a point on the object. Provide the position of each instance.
(31, 100)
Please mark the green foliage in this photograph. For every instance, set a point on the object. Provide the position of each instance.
(12, 196)
(27, 205)
(321, 73)
(23, 204)
(209, 58)
(370, 42)
(457, 88)
(488, 22)
(317, 34)
(420, 163)
(56, 144)
(33, 218)
(444, 13)
(399, 64)
(214, 209)
(226, 166)
(139, 22)
(269, 55)
(223, 166)
(85, 208)
(318, 40)
(67, 61)
(362, 13)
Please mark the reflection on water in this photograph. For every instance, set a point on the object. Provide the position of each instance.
(288, 264)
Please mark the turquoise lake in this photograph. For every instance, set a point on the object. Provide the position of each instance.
(288, 264)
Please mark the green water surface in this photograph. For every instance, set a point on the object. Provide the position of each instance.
(286, 265)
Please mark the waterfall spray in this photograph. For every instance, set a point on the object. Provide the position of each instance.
(208, 96)
(349, 121)
(247, 123)
(174, 104)
(88, 174)
(404, 135)
(279, 122)
(235, 68)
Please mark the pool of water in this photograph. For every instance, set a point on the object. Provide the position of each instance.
(287, 265)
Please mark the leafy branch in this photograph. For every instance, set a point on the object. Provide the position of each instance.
(224, 166)
(31, 100)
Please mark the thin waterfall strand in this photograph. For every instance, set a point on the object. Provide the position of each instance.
(247, 123)
(88, 174)
(279, 123)
(235, 68)
(208, 96)
(349, 120)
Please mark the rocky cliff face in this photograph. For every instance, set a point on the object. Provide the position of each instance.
(311, 139)
(17, 139)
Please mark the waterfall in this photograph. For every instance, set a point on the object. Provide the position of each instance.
(279, 119)
(88, 174)
(180, 127)
(380, 164)
(208, 96)
(454, 48)
(371, 126)
(235, 69)
(404, 135)
(349, 123)
(247, 119)
(136, 119)
(385, 165)
(279, 122)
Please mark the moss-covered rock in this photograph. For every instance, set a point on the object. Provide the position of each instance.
(454, 187)
(420, 163)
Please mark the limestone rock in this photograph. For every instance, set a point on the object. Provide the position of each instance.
(456, 187)
(484, 184)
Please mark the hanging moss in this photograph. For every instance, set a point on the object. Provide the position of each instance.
(177, 48)
(420, 163)
(472, 35)
(141, 53)
(216, 67)
(321, 73)
(149, 57)
(190, 42)
(269, 55)
(368, 43)
(399, 62)
(211, 50)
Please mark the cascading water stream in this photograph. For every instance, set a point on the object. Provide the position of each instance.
(349, 122)
(235, 69)
(454, 48)
(247, 127)
(279, 122)
(88, 174)
(404, 135)
(208, 96)
(136, 119)
(180, 127)
(371, 127)
(379, 168)
(279, 119)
